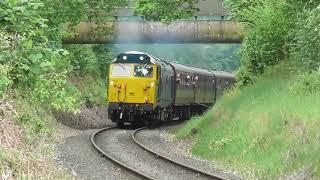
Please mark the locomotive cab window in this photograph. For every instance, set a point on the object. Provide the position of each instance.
(143, 71)
(121, 70)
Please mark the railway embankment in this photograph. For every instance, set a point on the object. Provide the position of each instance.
(267, 130)
(25, 143)
(30, 133)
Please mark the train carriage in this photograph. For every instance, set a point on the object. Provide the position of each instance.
(145, 89)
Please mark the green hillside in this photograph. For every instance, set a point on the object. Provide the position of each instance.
(267, 127)
(265, 130)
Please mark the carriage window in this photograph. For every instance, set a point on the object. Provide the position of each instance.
(121, 70)
(143, 71)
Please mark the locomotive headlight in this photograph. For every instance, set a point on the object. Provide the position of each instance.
(152, 84)
(111, 83)
(125, 58)
(141, 58)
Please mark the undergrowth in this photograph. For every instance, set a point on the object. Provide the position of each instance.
(26, 130)
(266, 130)
(92, 90)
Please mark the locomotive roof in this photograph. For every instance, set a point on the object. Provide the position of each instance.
(191, 69)
(224, 74)
(134, 52)
(153, 59)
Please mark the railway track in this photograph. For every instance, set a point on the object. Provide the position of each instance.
(157, 157)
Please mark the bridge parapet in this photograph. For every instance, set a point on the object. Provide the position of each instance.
(187, 31)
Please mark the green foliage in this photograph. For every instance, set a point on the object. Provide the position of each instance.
(104, 56)
(32, 58)
(35, 71)
(92, 90)
(33, 116)
(60, 12)
(166, 10)
(30, 63)
(243, 10)
(83, 60)
(263, 130)
(266, 38)
(275, 29)
(308, 84)
(90, 67)
(308, 38)
(4, 81)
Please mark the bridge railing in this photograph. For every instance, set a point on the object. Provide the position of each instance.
(134, 29)
(194, 18)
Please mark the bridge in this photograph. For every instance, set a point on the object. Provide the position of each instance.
(209, 25)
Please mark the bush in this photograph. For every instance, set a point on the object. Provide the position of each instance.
(83, 60)
(104, 56)
(265, 41)
(27, 59)
(4, 80)
(307, 83)
(308, 38)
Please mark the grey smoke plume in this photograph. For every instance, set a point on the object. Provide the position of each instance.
(217, 56)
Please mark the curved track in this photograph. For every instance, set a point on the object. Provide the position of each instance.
(158, 156)
(171, 160)
(110, 157)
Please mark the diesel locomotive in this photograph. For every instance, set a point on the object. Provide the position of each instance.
(149, 90)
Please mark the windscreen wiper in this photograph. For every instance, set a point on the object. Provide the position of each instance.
(122, 66)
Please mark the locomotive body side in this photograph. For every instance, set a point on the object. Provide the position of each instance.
(194, 85)
(223, 81)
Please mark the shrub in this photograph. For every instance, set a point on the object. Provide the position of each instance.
(104, 56)
(27, 59)
(4, 80)
(83, 60)
(265, 41)
(307, 83)
(308, 38)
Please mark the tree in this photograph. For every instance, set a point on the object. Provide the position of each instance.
(166, 10)
(32, 58)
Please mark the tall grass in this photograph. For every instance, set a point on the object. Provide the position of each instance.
(264, 130)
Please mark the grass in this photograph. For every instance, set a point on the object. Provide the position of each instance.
(26, 147)
(264, 130)
(27, 127)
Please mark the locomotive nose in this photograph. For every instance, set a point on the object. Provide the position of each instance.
(132, 91)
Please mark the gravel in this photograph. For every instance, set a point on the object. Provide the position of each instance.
(163, 143)
(119, 144)
(77, 156)
(88, 118)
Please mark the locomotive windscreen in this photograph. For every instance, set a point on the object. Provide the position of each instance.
(133, 59)
(121, 70)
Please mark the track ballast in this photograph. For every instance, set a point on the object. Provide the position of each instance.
(157, 157)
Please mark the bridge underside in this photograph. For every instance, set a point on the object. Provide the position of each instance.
(156, 32)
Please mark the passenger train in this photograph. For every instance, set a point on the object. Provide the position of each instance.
(149, 90)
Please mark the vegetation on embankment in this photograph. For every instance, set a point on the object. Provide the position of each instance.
(268, 126)
(39, 76)
(265, 130)
(28, 124)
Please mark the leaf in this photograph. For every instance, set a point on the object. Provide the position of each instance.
(35, 69)
(45, 64)
(35, 57)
